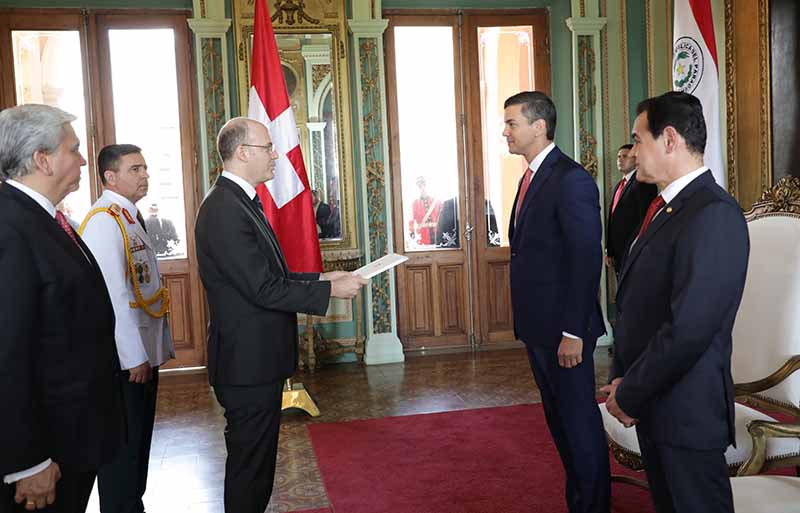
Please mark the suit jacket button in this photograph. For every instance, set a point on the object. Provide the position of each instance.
(513, 255)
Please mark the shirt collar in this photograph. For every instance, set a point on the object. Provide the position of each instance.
(673, 189)
(629, 175)
(537, 161)
(35, 196)
(122, 201)
(241, 182)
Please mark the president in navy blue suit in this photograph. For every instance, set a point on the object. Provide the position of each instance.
(556, 259)
(679, 291)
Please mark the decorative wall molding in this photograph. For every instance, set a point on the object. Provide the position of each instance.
(211, 55)
(383, 345)
(748, 102)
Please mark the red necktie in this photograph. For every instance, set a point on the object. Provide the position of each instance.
(618, 194)
(654, 207)
(522, 190)
(64, 224)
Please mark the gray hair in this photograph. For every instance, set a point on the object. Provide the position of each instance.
(231, 136)
(26, 129)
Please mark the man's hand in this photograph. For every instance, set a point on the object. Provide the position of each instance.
(613, 407)
(609, 262)
(141, 373)
(346, 287)
(333, 275)
(38, 490)
(570, 352)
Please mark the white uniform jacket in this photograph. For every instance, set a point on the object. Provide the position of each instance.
(140, 336)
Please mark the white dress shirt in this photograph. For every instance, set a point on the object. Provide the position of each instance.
(536, 163)
(672, 190)
(50, 209)
(241, 182)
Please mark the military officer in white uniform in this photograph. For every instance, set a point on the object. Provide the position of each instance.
(115, 232)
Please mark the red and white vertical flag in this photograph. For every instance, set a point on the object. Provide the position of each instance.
(695, 71)
(286, 198)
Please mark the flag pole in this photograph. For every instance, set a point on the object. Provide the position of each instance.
(295, 395)
(287, 199)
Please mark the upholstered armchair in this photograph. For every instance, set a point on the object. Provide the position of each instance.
(753, 493)
(766, 342)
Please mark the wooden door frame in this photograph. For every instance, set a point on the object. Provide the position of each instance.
(100, 118)
(184, 270)
(52, 19)
(483, 255)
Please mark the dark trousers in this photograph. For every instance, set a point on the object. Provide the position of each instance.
(686, 480)
(253, 415)
(72, 494)
(122, 483)
(570, 407)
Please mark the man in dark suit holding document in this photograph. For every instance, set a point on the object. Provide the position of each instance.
(253, 302)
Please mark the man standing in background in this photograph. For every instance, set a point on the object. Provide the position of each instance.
(115, 232)
(628, 206)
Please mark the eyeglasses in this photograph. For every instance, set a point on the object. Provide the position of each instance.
(269, 147)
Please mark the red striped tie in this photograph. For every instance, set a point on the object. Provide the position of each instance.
(654, 207)
(64, 224)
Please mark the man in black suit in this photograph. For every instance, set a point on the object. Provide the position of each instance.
(556, 260)
(322, 215)
(679, 291)
(629, 204)
(252, 300)
(58, 360)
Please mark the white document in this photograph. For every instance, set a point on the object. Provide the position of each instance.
(378, 266)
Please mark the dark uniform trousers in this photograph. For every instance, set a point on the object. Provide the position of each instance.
(121, 484)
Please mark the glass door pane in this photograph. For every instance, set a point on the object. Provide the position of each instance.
(146, 113)
(505, 62)
(48, 70)
(428, 132)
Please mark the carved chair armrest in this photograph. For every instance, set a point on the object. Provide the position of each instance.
(760, 431)
(786, 370)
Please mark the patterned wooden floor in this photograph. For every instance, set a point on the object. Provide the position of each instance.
(188, 454)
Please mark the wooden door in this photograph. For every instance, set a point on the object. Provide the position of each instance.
(427, 160)
(146, 98)
(458, 294)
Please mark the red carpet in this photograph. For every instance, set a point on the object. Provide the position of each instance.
(489, 460)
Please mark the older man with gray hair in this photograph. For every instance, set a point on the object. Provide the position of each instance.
(60, 401)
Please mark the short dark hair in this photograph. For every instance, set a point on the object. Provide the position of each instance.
(536, 105)
(108, 158)
(625, 147)
(681, 111)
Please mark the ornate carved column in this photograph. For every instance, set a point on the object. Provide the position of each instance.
(211, 55)
(383, 345)
(587, 89)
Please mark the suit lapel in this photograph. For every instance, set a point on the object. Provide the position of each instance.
(50, 225)
(541, 176)
(258, 218)
(667, 213)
